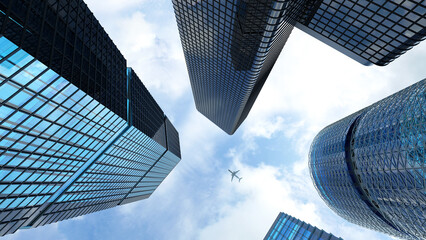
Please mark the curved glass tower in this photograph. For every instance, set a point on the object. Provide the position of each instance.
(369, 166)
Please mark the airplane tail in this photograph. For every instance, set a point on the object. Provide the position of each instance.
(239, 179)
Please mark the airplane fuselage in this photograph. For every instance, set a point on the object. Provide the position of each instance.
(234, 174)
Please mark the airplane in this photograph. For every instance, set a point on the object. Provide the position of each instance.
(234, 174)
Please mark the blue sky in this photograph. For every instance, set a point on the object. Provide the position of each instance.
(311, 86)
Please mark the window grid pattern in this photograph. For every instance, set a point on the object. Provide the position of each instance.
(173, 143)
(109, 179)
(389, 153)
(153, 178)
(142, 102)
(66, 37)
(66, 107)
(49, 129)
(369, 166)
(333, 181)
(230, 47)
(287, 227)
(378, 31)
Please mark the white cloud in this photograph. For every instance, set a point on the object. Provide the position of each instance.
(320, 85)
(247, 210)
(149, 41)
(112, 6)
(50, 231)
(310, 86)
(183, 195)
(266, 128)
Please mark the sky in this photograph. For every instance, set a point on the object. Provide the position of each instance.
(310, 87)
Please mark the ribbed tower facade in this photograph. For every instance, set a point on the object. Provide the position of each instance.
(370, 166)
(290, 228)
(79, 132)
(230, 46)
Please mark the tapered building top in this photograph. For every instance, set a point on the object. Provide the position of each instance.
(230, 47)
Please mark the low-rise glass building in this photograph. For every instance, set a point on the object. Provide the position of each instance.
(286, 227)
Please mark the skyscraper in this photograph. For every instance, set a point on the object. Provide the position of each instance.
(79, 132)
(371, 32)
(286, 227)
(369, 166)
(230, 46)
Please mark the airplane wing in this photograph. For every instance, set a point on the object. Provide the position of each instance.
(230, 171)
(236, 171)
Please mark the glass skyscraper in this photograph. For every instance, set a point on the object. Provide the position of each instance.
(79, 132)
(370, 166)
(371, 32)
(230, 46)
(287, 227)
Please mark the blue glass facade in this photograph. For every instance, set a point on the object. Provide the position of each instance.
(65, 36)
(371, 32)
(369, 166)
(230, 46)
(63, 154)
(287, 227)
(72, 145)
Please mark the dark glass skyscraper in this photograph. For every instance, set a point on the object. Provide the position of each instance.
(370, 166)
(287, 227)
(79, 132)
(230, 46)
(371, 32)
